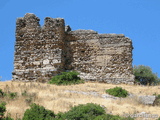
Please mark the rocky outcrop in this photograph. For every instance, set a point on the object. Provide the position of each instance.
(147, 100)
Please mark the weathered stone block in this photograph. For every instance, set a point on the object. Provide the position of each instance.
(147, 100)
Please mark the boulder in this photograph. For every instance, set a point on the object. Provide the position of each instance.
(147, 100)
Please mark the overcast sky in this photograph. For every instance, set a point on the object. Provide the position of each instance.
(137, 19)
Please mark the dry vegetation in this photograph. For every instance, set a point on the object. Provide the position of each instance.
(55, 98)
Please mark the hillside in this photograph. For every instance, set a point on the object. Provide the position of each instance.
(62, 98)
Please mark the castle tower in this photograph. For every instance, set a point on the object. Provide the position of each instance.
(38, 50)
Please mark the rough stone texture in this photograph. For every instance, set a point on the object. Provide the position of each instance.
(42, 52)
(95, 94)
(147, 100)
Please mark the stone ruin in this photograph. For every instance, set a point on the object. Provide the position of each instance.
(42, 52)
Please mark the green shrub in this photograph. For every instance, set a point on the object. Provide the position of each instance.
(24, 93)
(2, 94)
(117, 92)
(87, 111)
(12, 95)
(37, 112)
(8, 118)
(66, 78)
(60, 116)
(2, 112)
(2, 108)
(111, 117)
(144, 75)
(107, 117)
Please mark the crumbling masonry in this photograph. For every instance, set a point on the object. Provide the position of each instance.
(42, 52)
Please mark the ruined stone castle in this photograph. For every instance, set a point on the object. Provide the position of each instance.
(42, 52)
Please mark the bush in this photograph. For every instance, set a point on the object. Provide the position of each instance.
(107, 117)
(2, 108)
(2, 94)
(60, 116)
(117, 92)
(2, 112)
(87, 111)
(112, 117)
(7, 118)
(144, 75)
(66, 78)
(12, 95)
(37, 112)
(24, 93)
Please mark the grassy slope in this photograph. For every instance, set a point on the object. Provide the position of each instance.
(54, 98)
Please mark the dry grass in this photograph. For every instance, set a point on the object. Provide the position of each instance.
(56, 99)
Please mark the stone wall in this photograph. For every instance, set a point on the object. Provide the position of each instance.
(42, 52)
(38, 50)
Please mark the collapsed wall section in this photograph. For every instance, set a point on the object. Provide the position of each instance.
(38, 50)
(101, 57)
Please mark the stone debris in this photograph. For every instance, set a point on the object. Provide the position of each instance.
(107, 96)
(95, 94)
(147, 100)
(42, 52)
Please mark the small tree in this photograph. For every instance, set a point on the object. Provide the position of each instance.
(144, 75)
